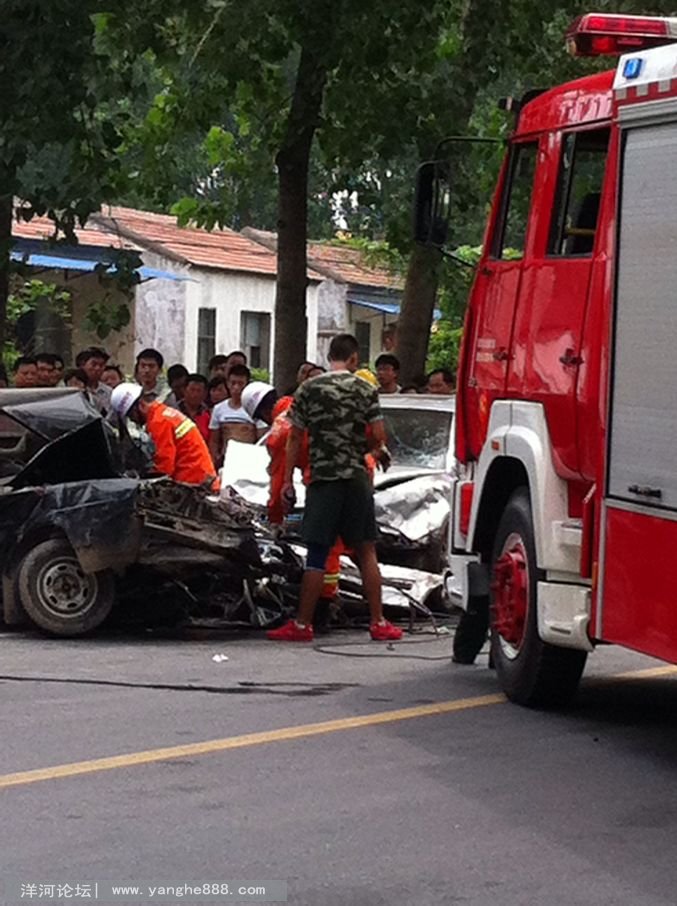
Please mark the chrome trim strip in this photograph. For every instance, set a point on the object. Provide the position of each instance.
(648, 112)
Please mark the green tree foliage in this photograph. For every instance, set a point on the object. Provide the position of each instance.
(266, 83)
(29, 296)
(271, 113)
(64, 106)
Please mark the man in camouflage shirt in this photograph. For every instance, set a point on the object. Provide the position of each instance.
(343, 418)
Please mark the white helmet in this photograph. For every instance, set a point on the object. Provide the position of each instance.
(253, 395)
(124, 396)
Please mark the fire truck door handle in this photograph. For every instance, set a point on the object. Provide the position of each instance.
(645, 491)
(570, 358)
(501, 355)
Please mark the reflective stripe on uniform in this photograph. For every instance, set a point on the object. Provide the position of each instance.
(183, 429)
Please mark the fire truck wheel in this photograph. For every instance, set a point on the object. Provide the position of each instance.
(530, 671)
(471, 632)
(58, 596)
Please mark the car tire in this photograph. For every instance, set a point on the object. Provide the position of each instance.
(531, 672)
(56, 593)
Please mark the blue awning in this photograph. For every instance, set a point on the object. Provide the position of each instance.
(67, 263)
(386, 308)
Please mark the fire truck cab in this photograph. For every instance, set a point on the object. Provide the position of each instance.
(564, 510)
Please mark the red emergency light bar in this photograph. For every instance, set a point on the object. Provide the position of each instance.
(600, 34)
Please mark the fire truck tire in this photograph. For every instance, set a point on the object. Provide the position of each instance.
(58, 596)
(471, 632)
(530, 671)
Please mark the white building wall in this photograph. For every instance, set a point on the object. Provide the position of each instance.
(166, 316)
(332, 316)
(160, 311)
(312, 314)
(230, 294)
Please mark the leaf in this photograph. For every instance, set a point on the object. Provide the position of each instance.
(218, 145)
(185, 210)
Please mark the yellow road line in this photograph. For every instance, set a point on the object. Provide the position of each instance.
(648, 673)
(133, 759)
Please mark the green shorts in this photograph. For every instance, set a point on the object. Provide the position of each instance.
(339, 509)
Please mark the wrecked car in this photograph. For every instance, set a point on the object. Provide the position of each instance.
(412, 499)
(73, 521)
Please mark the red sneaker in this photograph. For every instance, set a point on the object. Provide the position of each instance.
(385, 632)
(291, 632)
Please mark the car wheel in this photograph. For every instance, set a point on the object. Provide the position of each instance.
(58, 595)
(531, 672)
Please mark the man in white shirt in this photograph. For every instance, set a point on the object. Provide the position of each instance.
(229, 420)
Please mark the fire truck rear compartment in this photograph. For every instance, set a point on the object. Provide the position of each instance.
(639, 567)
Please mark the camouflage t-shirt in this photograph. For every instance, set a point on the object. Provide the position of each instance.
(335, 409)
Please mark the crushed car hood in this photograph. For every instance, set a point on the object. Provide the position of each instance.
(409, 502)
(415, 509)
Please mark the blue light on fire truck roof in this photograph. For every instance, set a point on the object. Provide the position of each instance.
(632, 68)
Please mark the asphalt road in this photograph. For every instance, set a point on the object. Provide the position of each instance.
(389, 800)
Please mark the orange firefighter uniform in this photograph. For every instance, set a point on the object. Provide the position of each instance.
(180, 449)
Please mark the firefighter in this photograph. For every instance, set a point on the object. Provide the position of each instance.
(180, 450)
(260, 402)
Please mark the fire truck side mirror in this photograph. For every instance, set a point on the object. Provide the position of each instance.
(432, 204)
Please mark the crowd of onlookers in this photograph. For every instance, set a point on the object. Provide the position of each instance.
(440, 381)
(212, 401)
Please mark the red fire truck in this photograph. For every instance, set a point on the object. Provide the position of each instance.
(564, 527)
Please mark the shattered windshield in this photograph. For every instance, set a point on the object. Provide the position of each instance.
(418, 438)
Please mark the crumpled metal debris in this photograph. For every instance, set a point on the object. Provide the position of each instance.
(399, 583)
(416, 509)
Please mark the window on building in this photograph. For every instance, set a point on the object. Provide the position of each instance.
(510, 235)
(363, 337)
(255, 338)
(579, 190)
(206, 338)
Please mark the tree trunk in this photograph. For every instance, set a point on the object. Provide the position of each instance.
(293, 158)
(6, 210)
(422, 280)
(418, 305)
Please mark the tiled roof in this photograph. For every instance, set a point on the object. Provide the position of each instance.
(349, 264)
(339, 262)
(252, 251)
(42, 229)
(219, 249)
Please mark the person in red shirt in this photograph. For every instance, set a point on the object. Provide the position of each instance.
(194, 402)
(180, 450)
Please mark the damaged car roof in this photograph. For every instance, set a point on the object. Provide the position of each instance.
(48, 411)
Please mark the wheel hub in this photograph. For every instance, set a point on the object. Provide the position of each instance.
(510, 593)
(65, 589)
